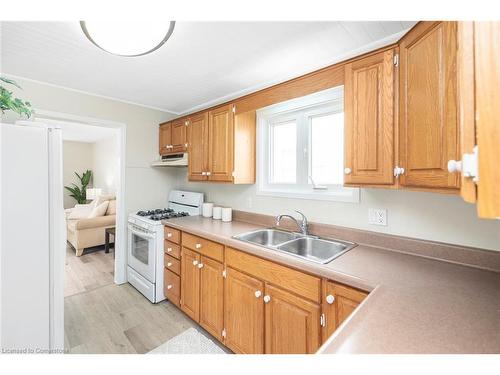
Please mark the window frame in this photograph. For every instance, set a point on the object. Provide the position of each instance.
(300, 109)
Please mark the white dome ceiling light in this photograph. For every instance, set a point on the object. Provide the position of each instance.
(129, 39)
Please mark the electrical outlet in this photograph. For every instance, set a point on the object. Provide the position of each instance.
(377, 216)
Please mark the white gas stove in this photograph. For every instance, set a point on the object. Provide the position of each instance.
(145, 241)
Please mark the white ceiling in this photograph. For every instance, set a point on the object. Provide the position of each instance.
(202, 64)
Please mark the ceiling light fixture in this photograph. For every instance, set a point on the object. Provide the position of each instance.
(130, 39)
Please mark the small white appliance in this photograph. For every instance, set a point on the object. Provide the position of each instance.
(145, 242)
(32, 238)
(175, 160)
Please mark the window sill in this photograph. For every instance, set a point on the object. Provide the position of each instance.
(349, 195)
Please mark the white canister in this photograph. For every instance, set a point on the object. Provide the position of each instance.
(217, 213)
(227, 214)
(207, 209)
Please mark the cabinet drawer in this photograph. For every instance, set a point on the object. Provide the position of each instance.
(211, 249)
(172, 264)
(172, 249)
(172, 235)
(172, 287)
(295, 281)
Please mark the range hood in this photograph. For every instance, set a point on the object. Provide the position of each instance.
(174, 160)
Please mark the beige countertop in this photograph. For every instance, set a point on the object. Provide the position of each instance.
(415, 305)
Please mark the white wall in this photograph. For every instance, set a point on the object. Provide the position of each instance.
(106, 164)
(146, 187)
(77, 157)
(431, 216)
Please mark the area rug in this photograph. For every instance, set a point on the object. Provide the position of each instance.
(190, 341)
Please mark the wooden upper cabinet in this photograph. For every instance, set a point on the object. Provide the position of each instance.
(212, 297)
(165, 137)
(338, 301)
(221, 143)
(190, 283)
(429, 135)
(179, 139)
(198, 147)
(244, 313)
(369, 120)
(292, 323)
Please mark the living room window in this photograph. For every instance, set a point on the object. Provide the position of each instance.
(301, 148)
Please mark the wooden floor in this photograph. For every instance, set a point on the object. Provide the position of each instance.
(102, 317)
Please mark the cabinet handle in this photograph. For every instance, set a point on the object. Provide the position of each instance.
(198, 246)
(258, 293)
(169, 287)
(330, 299)
(169, 234)
(169, 264)
(267, 299)
(454, 166)
(195, 262)
(200, 265)
(169, 249)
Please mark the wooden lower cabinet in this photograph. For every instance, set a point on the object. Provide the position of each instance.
(339, 301)
(190, 283)
(212, 297)
(292, 323)
(244, 313)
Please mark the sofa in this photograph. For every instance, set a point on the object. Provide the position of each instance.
(84, 231)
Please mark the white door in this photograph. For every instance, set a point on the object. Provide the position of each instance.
(141, 251)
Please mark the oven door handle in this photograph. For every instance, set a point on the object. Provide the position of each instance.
(140, 233)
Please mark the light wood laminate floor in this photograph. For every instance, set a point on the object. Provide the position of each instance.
(102, 317)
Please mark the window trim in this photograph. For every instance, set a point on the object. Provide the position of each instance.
(319, 103)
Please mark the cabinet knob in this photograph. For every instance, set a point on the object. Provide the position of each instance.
(258, 293)
(203, 173)
(347, 170)
(267, 299)
(200, 265)
(330, 299)
(208, 173)
(169, 249)
(169, 264)
(454, 166)
(198, 245)
(195, 262)
(169, 287)
(169, 234)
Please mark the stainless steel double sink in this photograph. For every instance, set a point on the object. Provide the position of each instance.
(311, 248)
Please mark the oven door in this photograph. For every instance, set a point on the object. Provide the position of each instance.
(141, 251)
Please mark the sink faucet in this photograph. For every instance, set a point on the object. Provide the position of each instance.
(303, 226)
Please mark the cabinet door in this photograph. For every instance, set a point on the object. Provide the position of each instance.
(179, 138)
(212, 297)
(487, 75)
(338, 302)
(165, 136)
(428, 105)
(292, 323)
(221, 144)
(190, 283)
(369, 121)
(243, 313)
(198, 147)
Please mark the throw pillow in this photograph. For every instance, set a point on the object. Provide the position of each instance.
(79, 213)
(99, 210)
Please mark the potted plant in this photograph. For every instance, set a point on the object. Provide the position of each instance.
(80, 194)
(8, 102)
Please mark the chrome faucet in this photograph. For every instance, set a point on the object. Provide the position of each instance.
(303, 226)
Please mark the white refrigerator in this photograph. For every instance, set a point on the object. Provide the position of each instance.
(32, 238)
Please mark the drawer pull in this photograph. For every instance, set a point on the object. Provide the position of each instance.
(198, 245)
(169, 286)
(330, 299)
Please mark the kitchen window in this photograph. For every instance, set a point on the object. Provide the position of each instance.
(301, 148)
